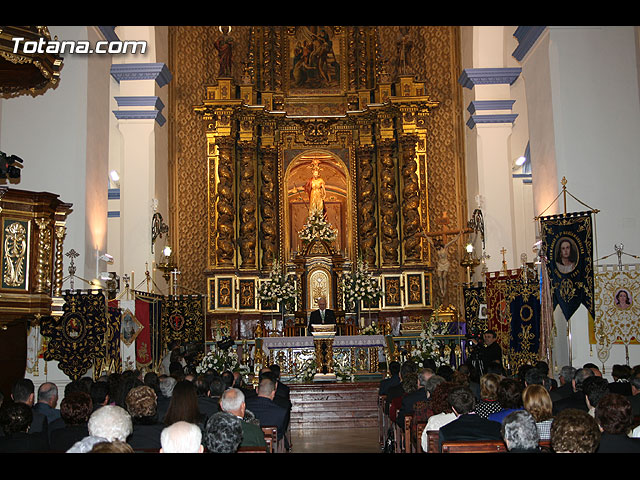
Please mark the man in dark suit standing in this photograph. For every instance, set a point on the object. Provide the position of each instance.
(322, 315)
(468, 426)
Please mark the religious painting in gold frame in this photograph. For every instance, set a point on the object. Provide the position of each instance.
(130, 327)
(315, 61)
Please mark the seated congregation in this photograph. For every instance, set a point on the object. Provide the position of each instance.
(446, 410)
(130, 413)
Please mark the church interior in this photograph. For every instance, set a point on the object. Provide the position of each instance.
(440, 166)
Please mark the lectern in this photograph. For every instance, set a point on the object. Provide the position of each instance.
(323, 342)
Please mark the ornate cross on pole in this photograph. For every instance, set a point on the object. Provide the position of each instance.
(503, 251)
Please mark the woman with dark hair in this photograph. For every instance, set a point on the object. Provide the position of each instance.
(622, 299)
(442, 412)
(566, 257)
(509, 397)
(15, 422)
(142, 405)
(613, 414)
(184, 405)
(75, 410)
(409, 385)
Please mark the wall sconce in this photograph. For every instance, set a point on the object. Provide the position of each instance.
(114, 176)
(158, 228)
(469, 261)
(167, 265)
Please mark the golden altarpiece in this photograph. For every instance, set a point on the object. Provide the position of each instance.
(290, 104)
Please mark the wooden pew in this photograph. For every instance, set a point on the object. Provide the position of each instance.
(476, 446)
(252, 450)
(433, 440)
(416, 436)
(383, 424)
(271, 437)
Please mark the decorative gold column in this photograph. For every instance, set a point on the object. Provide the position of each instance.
(43, 269)
(388, 204)
(368, 229)
(268, 207)
(411, 225)
(225, 203)
(247, 203)
(60, 232)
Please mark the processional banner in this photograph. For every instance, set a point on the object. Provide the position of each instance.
(148, 313)
(183, 319)
(475, 308)
(513, 312)
(617, 311)
(77, 338)
(567, 244)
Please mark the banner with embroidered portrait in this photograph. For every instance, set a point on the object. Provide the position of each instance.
(617, 319)
(567, 244)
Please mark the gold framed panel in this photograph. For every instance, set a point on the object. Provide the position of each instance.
(211, 295)
(414, 282)
(225, 293)
(319, 285)
(15, 253)
(248, 294)
(392, 291)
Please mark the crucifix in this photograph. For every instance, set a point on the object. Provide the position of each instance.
(504, 261)
(441, 246)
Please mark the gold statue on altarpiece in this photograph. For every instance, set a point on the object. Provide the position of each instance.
(315, 188)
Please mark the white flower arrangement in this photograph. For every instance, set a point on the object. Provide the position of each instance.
(341, 367)
(371, 330)
(427, 346)
(279, 288)
(221, 360)
(360, 286)
(318, 227)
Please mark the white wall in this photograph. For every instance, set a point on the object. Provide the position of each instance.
(584, 118)
(49, 132)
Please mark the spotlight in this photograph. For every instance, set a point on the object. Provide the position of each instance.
(9, 166)
(106, 258)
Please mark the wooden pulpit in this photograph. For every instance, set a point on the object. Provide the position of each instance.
(323, 342)
(32, 232)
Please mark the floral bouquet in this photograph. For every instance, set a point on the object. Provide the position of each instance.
(428, 347)
(279, 288)
(221, 360)
(318, 227)
(371, 330)
(360, 286)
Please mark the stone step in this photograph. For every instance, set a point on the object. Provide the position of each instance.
(334, 405)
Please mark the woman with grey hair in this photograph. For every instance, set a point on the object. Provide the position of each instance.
(520, 433)
(107, 424)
